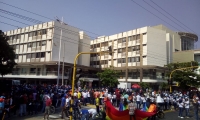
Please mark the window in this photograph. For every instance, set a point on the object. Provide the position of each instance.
(37, 55)
(34, 33)
(38, 44)
(130, 49)
(39, 32)
(133, 59)
(130, 38)
(119, 40)
(138, 37)
(118, 60)
(137, 47)
(17, 46)
(33, 55)
(43, 43)
(10, 38)
(32, 69)
(34, 44)
(123, 39)
(129, 59)
(42, 54)
(98, 45)
(14, 37)
(28, 56)
(123, 60)
(30, 34)
(44, 31)
(119, 50)
(16, 56)
(29, 45)
(134, 37)
(137, 59)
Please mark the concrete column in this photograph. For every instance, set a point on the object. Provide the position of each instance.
(141, 57)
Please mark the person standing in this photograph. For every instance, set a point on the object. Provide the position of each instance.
(47, 107)
(196, 107)
(138, 99)
(131, 108)
(97, 104)
(187, 105)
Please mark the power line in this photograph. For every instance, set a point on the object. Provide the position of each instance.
(171, 15)
(43, 16)
(163, 14)
(154, 14)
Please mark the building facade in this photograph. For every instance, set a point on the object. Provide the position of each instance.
(139, 54)
(37, 51)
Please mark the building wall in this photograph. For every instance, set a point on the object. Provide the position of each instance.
(183, 56)
(32, 41)
(156, 47)
(84, 46)
(70, 38)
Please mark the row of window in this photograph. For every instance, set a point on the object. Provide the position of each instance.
(32, 55)
(120, 40)
(31, 44)
(130, 59)
(120, 60)
(30, 34)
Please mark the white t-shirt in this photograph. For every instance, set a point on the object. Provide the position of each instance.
(75, 94)
(138, 97)
(187, 104)
(84, 95)
(92, 111)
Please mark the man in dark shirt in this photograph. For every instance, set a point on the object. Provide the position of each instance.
(47, 108)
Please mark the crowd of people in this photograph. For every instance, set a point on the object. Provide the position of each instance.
(31, 99)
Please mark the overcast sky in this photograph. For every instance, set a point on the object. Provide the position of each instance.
(107, 17)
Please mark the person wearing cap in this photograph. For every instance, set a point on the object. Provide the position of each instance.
(47, 108)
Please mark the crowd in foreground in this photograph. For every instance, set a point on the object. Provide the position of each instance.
(31, 99)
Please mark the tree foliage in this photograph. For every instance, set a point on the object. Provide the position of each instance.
(144, 85)
(185, 77)
(109, 77)
(7, 55)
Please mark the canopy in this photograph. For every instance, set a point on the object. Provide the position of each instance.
(135, 86)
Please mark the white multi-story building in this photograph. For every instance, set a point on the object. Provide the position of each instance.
(37, 51)
(139, 54)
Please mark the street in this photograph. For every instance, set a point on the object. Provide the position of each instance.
(169, 115)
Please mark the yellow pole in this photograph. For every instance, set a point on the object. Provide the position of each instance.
(74, 74)
(170, 77)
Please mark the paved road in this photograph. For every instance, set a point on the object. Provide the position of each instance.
(169, 115)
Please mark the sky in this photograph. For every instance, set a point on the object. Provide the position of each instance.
(106, 17)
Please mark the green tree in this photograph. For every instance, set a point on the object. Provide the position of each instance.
(185, 77)
(144, 85)
(7, 55)
(109, 77)
(164, 86)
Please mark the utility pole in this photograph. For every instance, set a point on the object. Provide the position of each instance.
(59, 53)
(63, 64)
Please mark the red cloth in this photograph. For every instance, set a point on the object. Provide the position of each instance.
(124, 115)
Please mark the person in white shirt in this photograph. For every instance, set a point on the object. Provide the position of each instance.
(75, 93)
(138, 98)
(180, 104)
(84, 98)
(187, 107)
(88, 97)
(92, 112)
(114, 99)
